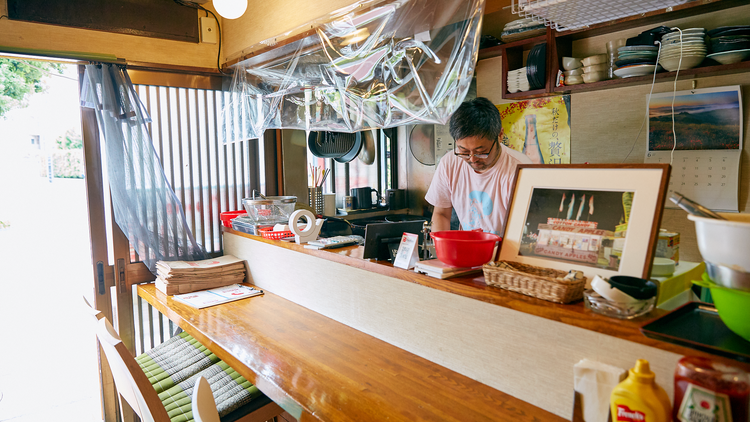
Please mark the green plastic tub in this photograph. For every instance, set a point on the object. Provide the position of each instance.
(733, 306)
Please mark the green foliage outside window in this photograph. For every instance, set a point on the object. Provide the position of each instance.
(71, 140)
(19, 78)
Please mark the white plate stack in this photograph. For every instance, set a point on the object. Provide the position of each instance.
(518, 81)
(692, 44)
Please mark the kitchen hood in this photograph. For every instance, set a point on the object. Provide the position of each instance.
(374, 64)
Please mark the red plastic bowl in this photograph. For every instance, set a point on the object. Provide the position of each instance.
(460, 248)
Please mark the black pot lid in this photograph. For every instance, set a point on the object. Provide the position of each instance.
(356, 140)
(331, 144)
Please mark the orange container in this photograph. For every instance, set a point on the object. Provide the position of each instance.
(460, 248)
(226, 217)
(268, 233)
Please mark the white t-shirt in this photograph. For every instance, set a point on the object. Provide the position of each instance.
(481, 200)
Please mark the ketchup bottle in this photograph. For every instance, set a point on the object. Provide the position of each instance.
(707, 390)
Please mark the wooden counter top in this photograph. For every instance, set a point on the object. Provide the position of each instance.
(474, 287)
(319, 369)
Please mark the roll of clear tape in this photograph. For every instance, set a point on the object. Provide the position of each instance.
(311, 230)
(294, 222)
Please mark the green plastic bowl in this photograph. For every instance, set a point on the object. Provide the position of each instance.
(733, 306)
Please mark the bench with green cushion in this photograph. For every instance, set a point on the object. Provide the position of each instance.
(171, 362)
(174, 361)
(234, 395)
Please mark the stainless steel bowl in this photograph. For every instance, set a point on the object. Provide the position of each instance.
(727, 277)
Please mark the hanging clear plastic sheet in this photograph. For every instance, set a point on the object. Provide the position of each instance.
(371, 65)
(144, 205)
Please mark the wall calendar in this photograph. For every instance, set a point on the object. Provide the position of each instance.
(706, 157)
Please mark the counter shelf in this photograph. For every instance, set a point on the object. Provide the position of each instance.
(318, 369)
(474, 287)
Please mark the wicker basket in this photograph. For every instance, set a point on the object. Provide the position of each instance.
(542, 283)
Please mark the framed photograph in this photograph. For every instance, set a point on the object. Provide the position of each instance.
(600, 219)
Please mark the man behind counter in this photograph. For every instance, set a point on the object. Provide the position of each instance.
(477, 179)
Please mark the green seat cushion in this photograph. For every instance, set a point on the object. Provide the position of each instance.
(231, 391)
(175, 361)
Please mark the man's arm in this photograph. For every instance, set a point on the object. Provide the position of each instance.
(441, 219)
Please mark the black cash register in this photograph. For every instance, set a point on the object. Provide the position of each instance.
(382, 239)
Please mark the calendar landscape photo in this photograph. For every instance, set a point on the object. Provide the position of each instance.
(707, 119)
(582, 227)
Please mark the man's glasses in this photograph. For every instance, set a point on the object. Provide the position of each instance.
(481, 156)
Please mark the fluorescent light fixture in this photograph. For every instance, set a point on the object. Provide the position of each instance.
(230, 9)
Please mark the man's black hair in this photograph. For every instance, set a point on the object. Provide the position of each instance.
(478, 117)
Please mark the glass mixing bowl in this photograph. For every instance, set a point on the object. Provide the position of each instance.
(269, 210)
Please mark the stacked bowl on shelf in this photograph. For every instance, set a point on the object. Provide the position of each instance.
(636, 60)
(573, 70)
(690, 45)
(729, 44)
(594, 68)
(518, 81)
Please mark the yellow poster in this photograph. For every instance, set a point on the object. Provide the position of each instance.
(539, 128)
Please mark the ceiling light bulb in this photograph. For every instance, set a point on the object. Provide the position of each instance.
(230, 9)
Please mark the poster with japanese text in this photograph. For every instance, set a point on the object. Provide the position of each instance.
(539, 128)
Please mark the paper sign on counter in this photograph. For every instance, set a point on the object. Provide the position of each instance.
(408, 251)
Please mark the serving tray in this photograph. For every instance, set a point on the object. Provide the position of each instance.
(697, 325)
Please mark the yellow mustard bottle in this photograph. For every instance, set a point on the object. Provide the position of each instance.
(639, 398)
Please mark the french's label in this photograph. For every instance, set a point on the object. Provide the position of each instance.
(625, 414)
(702, 405)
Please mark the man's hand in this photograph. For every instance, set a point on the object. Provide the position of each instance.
(441, 219)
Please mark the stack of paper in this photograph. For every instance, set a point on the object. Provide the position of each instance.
(174, 277)
(436, 268)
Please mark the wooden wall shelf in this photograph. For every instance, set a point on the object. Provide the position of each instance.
(698, 72)
(513, 58)
(530, 42)
(490, 52)
(559, 44)
(525, 95)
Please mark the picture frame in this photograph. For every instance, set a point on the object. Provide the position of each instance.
(611, 227)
